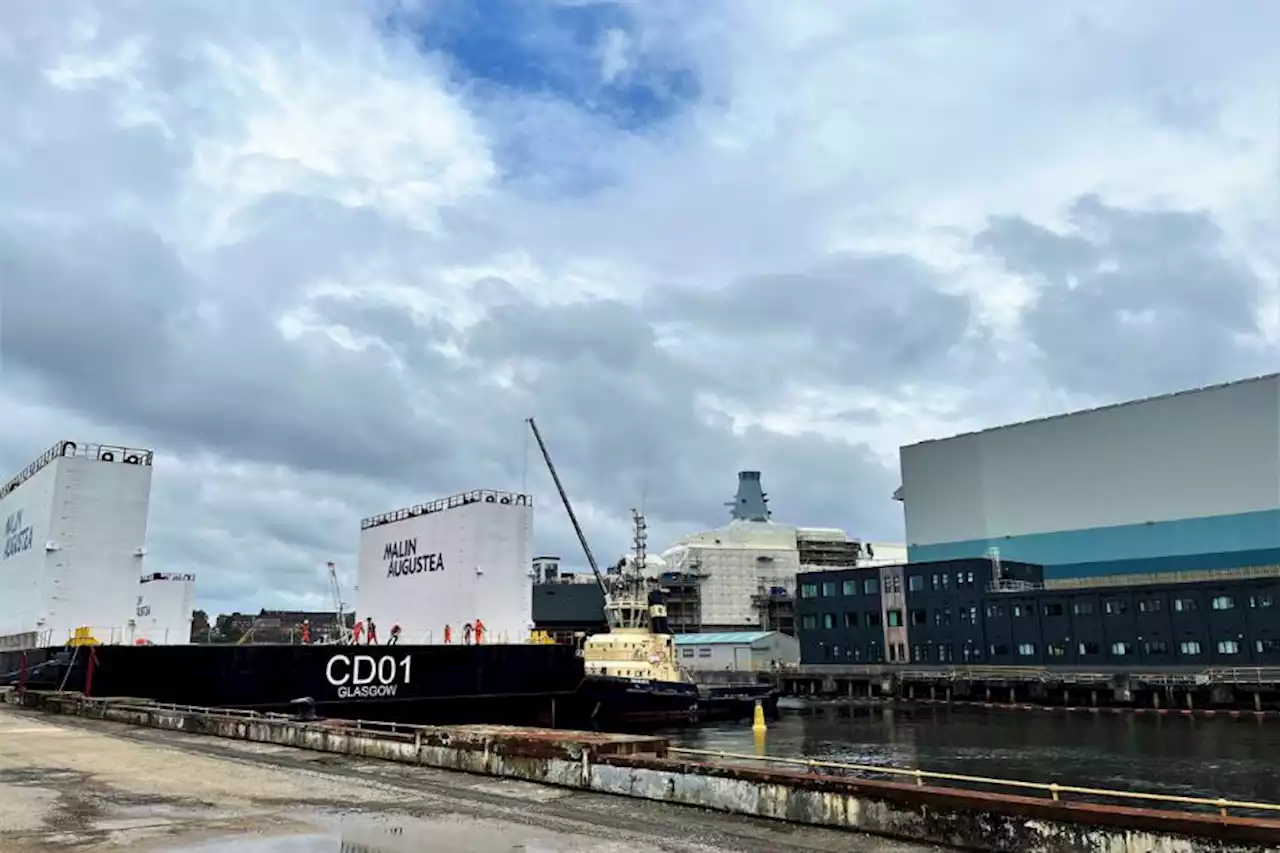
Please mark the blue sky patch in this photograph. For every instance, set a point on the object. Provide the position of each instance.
(554, 50)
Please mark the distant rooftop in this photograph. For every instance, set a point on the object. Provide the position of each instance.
(1139, 401)
(731, 637)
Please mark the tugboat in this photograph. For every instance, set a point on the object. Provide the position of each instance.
(632, 676)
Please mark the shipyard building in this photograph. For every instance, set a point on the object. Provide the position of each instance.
(1176, 483)
(1142, 534)
(742, 576)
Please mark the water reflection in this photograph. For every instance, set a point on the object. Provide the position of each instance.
(1220, 757)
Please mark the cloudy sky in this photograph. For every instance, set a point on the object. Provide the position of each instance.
(325, 256)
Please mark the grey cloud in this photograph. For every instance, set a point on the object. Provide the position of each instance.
(1130, 302)
(857, 320)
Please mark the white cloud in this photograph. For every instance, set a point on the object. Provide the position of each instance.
(316, 237)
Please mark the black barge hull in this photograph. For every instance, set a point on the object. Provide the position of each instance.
(520, 685)
(531, 685)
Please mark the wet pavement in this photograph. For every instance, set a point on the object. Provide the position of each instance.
(75, 784)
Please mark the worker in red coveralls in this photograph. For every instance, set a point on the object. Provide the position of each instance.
(479, 632)
(306, 632)
(371, 632)
(357, 631)
(448, 634)
(395, 635)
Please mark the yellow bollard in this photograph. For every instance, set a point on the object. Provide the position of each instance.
(757, 724)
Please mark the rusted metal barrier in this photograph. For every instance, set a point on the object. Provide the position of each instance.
(925, 806)
(1054, 790)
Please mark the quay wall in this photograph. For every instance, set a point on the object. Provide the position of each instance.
(645, 767)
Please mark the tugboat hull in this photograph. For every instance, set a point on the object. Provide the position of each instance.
(615, 702)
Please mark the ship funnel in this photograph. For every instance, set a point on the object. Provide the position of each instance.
(751, 503)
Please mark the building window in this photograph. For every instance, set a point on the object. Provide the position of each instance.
(1121, 649)
(998, 649)
(828, 588)
(917, 655)
(1189, 647)
(850, 619)
(915, 583)
(969, 614)
(873, 619)
(969, 580)
(895, 618)
(855, 652)
(935, 582)
(849, 588)
(686, 653)
(809, 620)
(1053, 609)
(1056, 650)
(942, 616)
(893, 654)
(945, 653)
(809, 590)
(1184, 605)
(1267, 646)
(1228, 647)
(828, 620)
(946, 581)
(1223, 602)
(1017, 611)
(1082, 608)
(1115, 607)
(1259, 601)
(704, 653)
(902, 651)
(1026, 650)
(1150, 605)
(870, 586)
(1155, 647)
(895, 583)
(918, 617)
(1088, 648)
(995, 611)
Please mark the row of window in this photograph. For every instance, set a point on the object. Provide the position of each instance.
(892, 584)
(1120, 607)
(703, 652)
(872, 618)
(946, 653)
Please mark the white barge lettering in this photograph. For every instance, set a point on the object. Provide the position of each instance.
(367, 676)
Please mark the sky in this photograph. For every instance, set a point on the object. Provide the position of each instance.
(324, 257)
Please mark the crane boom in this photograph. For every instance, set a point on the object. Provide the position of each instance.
(564, 498)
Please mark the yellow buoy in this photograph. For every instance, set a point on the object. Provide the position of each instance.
(757, 724)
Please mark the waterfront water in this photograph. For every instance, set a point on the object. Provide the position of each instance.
(1218, 757)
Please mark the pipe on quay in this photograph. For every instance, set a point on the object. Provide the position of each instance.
(646, 767)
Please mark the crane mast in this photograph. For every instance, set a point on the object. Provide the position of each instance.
(568, 507)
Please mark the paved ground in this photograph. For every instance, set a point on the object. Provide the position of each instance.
(73, 784)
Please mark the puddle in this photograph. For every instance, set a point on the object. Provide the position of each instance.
(403, 834)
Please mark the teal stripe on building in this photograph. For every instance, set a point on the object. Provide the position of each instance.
(1228, 541)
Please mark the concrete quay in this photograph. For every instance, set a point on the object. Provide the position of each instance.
(921, 808)
(71, 783)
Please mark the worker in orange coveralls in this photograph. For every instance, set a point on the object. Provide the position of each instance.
(479, 632)
(448, 634)
(306, 632)
(357, 631)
